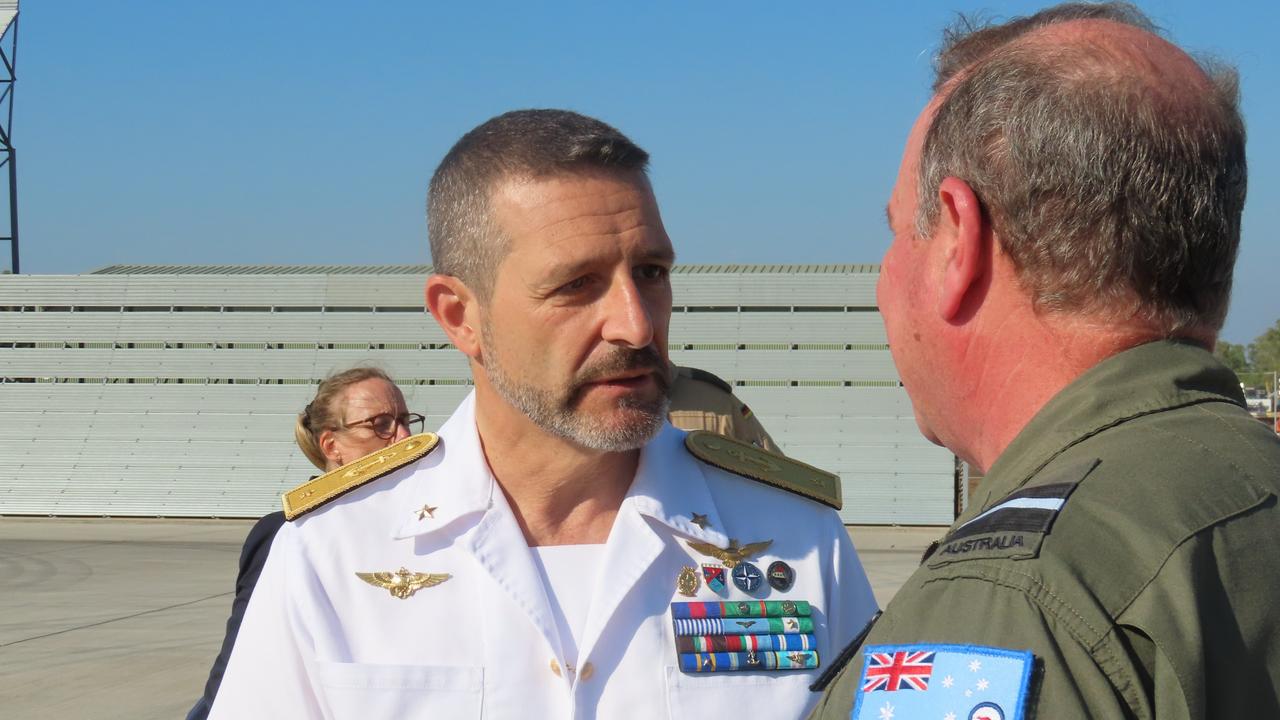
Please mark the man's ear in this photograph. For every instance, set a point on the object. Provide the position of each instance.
(457, 309)
(962, 233)
(328, 442)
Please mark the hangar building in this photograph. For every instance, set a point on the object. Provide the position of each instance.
(142, 390)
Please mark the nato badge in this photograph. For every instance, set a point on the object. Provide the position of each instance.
(714, 575)
(781, 576)
(950, 682)
(747, 577)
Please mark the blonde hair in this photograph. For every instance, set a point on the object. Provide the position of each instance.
(323, 414)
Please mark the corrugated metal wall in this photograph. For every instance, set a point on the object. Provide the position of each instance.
(174, 394)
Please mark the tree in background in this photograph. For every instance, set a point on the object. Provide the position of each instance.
(1233, 356)
(1255, 362)
(1264, 351)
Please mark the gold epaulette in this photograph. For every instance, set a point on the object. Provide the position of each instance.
(769, 468)
(335, 483)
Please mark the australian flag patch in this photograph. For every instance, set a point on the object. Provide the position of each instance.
(948, 682)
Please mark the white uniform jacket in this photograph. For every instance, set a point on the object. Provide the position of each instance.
(319, 642)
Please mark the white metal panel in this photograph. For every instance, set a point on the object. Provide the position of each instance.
(166, 290)
(228, 364)
(198, 327)
(869, 437)
(713, 290)
(226, 449)
(867, 402)
(776, 327)
(8, 11)
(158, 450)
(398, 327)
(775, 289)
(792, 365)
(395, 290)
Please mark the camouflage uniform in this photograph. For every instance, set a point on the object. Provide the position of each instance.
(702, 401)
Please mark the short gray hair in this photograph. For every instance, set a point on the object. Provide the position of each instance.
(465, 242)
(1111, 193)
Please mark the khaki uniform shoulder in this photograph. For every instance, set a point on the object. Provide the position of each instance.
(763, 466)
(700, 400)
(704, 376)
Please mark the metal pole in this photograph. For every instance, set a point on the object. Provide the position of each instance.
(13, 154)
(13, 207)
(1275, 401)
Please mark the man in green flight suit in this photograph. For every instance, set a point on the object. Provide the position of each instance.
(1065, 222)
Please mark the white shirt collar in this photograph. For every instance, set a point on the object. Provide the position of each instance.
(452, 482)
(671, 487)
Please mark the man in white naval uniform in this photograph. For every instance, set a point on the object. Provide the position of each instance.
(525, 563)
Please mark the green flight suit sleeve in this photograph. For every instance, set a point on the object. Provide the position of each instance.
(1206, 642)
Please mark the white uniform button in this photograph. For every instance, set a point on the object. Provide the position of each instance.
(555, 667)
(587, 671)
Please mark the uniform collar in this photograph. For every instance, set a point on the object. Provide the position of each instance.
(670, 488)
(449, 484)
(454, 481)
(1146, 379)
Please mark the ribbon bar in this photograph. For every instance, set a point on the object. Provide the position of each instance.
(743, 643)
(743, 626)
(742, 609)
(747, 661)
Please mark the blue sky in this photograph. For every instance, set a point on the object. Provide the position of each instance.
(292, 132)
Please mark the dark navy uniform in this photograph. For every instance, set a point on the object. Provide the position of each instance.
(252, 558)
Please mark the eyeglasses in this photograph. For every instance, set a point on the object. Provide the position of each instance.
(384, 424)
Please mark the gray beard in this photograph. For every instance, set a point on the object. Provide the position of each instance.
(556, 412)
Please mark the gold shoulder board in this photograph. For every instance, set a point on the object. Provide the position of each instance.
(335, 483)
(779, 471)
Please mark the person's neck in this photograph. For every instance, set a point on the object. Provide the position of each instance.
(1022, 365)
(560, 492)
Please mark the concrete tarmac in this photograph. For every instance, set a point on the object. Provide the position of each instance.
(115, 619)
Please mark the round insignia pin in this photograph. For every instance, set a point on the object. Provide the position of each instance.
(788, 607)
(747, 577)
(986, 711)
(781, 576)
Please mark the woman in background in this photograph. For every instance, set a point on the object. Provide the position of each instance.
(354, 413)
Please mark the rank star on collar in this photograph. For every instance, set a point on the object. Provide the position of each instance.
(427, 511)
(700, 520)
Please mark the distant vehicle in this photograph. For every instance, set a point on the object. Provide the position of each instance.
(1258, 402)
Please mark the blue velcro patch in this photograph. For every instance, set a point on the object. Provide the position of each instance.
(946, 682)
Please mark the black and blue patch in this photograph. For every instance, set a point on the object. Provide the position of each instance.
(1015, 527)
